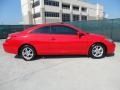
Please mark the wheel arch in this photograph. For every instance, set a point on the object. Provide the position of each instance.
(19, 49)
(100, 44)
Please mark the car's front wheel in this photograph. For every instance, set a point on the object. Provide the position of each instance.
(97, 51)
(28, 53)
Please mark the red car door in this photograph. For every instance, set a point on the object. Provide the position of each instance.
(66, 40)
(42, 40)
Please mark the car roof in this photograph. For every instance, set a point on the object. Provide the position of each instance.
(52, 24)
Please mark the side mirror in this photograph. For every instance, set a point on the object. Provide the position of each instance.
(80, 34)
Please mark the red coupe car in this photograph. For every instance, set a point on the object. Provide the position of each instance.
(57, 39)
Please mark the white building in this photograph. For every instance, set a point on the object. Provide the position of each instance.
(51, 11)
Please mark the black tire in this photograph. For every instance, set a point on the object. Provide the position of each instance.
(27, 56)
(97, 53)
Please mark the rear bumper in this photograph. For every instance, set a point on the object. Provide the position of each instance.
(9, 48)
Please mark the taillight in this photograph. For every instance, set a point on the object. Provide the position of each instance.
(9, 37)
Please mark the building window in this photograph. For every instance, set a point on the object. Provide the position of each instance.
(36, 15)
(65, 17)
(36, 3)
(83, 18)
(84, 9)
(75, 17)
(76, 8)
(65, 6)
(52, 3)
(51, 14)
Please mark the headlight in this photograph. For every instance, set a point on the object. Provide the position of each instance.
(110, 40)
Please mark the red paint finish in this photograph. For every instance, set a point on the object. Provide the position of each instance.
(56, 44)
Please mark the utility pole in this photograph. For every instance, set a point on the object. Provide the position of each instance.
(34, 11)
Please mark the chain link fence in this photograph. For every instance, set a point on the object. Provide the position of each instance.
(107, 27)
(7, 29)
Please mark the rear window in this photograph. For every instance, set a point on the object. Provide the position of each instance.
(45, 29)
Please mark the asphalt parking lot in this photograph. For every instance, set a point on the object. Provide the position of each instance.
(60, 73)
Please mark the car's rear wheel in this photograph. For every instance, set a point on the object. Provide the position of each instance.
(27, 52)
(97, 51)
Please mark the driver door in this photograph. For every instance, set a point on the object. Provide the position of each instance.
(65, 40)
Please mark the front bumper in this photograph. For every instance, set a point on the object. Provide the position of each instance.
(111, 48)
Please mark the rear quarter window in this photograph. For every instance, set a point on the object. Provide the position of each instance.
(42, 30)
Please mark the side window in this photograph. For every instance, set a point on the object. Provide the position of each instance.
(63, 30)
(42, 30)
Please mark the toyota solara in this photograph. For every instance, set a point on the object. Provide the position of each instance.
(57, 39)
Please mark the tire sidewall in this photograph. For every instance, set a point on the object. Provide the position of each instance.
(33, 50)
(90, 51)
